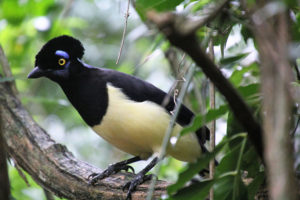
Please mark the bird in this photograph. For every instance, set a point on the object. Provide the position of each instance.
(126, 111)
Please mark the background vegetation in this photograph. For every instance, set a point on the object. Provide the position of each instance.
(25, 25)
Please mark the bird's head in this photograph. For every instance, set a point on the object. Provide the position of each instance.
(57, 57)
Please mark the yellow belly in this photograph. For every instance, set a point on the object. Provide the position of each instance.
(138, 128)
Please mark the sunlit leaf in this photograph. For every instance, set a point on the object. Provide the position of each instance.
(200, 120)
(238, 75)
(159, 5)
(233, 59)
(143, 6)
(199, 5)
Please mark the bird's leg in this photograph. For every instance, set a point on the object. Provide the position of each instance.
(112, 169)
(139, 178)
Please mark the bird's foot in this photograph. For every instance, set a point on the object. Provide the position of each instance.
(137, 180)
(112, 169)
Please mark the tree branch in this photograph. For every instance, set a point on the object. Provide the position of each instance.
(272, 35)
(6, 70)
(166, 22)
(192, 26)
(50, 164)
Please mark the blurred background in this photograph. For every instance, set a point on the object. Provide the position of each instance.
(25, 25)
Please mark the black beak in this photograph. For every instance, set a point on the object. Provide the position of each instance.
(36, 73)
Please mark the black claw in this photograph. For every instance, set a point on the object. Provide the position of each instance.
(92, 175)
(137, 180)
(112, 169)
(128, 197)
(126, 186)
(95, 177)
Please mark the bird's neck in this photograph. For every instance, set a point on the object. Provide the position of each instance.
(88, 95)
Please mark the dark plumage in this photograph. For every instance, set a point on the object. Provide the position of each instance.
(123, 109)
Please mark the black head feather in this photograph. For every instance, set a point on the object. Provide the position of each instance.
(72, 46)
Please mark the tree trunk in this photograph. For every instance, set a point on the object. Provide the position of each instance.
(272, 36)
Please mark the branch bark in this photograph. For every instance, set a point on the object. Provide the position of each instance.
(6, 71)
(187, 41)
(50, 164)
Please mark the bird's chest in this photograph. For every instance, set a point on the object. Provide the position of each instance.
(134, 127)
(138, 128)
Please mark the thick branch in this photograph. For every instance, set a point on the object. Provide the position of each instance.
(6, 70)
(50, 164)
(189, 44)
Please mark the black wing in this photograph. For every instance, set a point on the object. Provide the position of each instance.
(139, 90)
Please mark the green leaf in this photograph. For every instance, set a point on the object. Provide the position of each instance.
(238, 75)
(195, 191)
(230, 61)
(249, 91)
(246, 33)
(200, 119)
(224, 189)
(202, 162)
(224, 37)
(192, 169)
(251, 162)
(229, 161)
(158, 5)
(13, 12)
(254, 186)
(143, 6)
(232, 162)
(233, 126)
(200, 190)
(199, 5)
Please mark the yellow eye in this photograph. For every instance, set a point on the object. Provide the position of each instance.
(62, 61)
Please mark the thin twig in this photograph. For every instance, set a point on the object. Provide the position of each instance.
(176, 86)
(296, 127)
(169, 130)
(212, 95)
(124, 32)
(7, 71)
(66, 9)
(297, 71)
